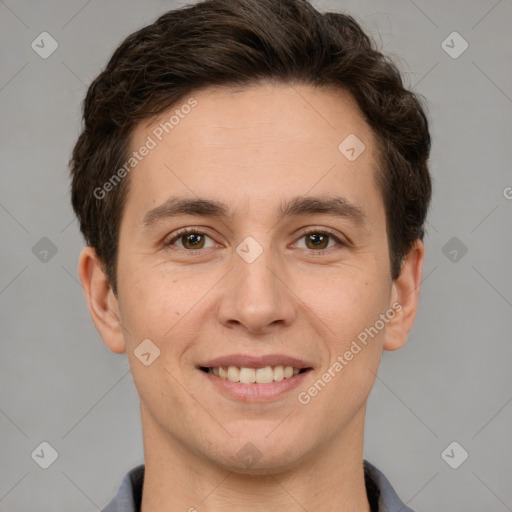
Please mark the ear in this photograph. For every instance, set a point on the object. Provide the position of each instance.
(101, 300)
(405, 292)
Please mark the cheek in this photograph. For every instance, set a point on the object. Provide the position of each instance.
(164, 306)
(353, 347)
(154, 308)
(151, 307)
(349, 305)
(346, 302)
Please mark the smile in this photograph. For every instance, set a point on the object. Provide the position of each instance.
(255, 385)
(264, 375)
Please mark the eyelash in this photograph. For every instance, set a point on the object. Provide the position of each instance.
(323, 231)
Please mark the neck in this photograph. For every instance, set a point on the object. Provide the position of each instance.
(331, 478)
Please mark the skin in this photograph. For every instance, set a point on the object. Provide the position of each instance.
(251, 149)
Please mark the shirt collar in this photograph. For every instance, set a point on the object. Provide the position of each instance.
(381, 495)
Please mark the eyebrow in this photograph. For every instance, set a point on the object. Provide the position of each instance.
(300, 205)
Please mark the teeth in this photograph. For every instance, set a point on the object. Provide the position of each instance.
(233, 374)
(263, 375)
(247, 375)
(279, 373)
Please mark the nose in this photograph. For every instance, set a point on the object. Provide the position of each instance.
(255, 296)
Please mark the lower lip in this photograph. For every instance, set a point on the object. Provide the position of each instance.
(256, 392)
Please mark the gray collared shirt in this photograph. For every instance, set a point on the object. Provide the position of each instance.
(381, 495)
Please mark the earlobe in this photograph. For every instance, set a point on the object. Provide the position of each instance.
(103, 305)
(405, 292)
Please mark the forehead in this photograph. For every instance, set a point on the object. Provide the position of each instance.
(254, 145)
(257, 114)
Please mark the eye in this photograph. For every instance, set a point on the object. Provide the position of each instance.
(190, 239)
(318, 240)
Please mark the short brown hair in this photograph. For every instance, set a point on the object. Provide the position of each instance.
(239, 43)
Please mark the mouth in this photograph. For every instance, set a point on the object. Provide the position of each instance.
(251, 379)
(246, 375)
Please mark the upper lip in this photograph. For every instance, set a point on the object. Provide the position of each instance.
(247, 361)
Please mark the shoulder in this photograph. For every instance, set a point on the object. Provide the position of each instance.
(129, 495)
(381, 495)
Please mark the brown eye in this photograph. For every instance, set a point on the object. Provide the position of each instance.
(193, 241)
(189, 240)
(317, 240)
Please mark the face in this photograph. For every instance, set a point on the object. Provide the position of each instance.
(283, 263)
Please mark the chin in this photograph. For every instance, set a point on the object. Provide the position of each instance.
(260, 456)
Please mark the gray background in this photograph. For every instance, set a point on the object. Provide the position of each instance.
(451, 382)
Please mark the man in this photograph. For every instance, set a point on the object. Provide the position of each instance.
(252, 185)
